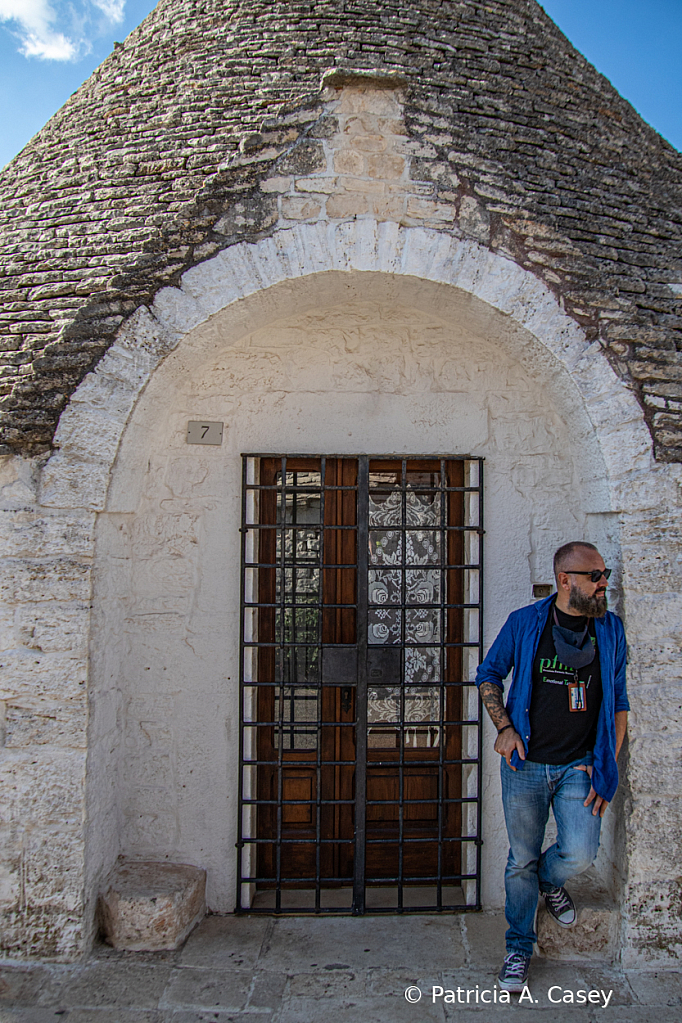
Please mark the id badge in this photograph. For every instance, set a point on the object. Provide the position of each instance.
(577, 696)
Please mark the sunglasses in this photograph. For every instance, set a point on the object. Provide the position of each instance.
(595, 575)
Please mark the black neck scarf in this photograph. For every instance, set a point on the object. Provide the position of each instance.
(575, 650)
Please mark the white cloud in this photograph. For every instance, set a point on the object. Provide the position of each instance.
(113, 9)
(56, 29)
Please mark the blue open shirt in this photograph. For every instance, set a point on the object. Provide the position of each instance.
(516, 646)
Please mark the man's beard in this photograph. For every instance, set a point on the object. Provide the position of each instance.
(592, 607)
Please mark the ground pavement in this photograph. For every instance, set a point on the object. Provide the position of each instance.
(339, 969)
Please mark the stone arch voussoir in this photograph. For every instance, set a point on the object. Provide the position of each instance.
(91, 427)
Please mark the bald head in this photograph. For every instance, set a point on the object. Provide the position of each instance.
(565, 556)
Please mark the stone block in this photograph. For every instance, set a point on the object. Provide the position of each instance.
(276, 184)
(425, 209)
(654, 829)
(595, 934)
(386, 165)
(349, 161)
(299, 209)
(152, 906)
(474, 220)
(388, 209)
(370, 143)
(35, 722)
(52, 627)
(37, 580)
(361, 185)
(54, 676)
(653, 932)
(41, 788)
(351, 205)
(321, 185)
(33, 534)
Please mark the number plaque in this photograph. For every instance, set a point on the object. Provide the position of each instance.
(201, 432)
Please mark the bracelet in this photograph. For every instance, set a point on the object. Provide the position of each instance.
(503, 729)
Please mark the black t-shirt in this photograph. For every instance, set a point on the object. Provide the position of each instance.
(557, 735)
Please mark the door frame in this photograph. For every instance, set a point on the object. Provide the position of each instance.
(251, 798)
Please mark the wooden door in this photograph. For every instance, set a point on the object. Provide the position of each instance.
(412, 754)
(384, 539)
(313, 601)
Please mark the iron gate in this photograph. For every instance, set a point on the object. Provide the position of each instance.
(360, 734)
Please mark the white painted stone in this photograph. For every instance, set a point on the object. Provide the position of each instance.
(363, 336)
(41, 533)
(42, 789)
(356, 376)
(70, 482)
(655, 829)
(45, 579)
(37, 722)
(48, 627)
(52, 676)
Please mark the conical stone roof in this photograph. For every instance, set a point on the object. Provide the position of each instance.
(154, 164)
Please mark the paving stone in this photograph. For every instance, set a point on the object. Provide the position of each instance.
(656, 987)
(267, 990)
(536, 1014)
(226, 942)
(32, 1015)
(114, 985)
(613, 979)
(368, 1010)
(337, 985)
(194, 988)
(104, 1015)
(484, 935)
(393, 982)
(190, 1016)
(91, 992)
(340, 943)
(28, 985)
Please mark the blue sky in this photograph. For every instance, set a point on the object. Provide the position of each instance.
(48, 47)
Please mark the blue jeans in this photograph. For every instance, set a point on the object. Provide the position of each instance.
(527, 795)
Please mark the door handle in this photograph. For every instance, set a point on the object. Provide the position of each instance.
(346, 699)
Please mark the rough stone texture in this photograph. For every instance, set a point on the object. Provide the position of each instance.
(157, 162)
(152, 906)
(482, 168)
(624, 501)
(288, 970)
(595, 936)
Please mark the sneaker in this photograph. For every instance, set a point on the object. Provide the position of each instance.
(560, 906)
(514, 973)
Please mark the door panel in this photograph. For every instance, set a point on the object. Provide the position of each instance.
(363, 574)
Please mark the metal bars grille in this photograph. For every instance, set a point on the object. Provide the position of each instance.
(360, 731)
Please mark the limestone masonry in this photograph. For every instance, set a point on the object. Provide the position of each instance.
(155, 164)
(333, 227)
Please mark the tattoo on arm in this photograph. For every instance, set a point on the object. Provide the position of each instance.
(492, 697)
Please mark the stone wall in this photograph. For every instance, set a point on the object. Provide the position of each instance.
(46, 558)
(371, 373)
(155, 164)
(151, 502)
(178, 258)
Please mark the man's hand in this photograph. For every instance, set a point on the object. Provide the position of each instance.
(508, 740)
(505, 744)
(600, 804)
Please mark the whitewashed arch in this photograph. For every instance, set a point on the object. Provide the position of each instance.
(91, 427)
(78, 474)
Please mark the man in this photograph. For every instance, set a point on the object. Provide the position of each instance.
(559, 738)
